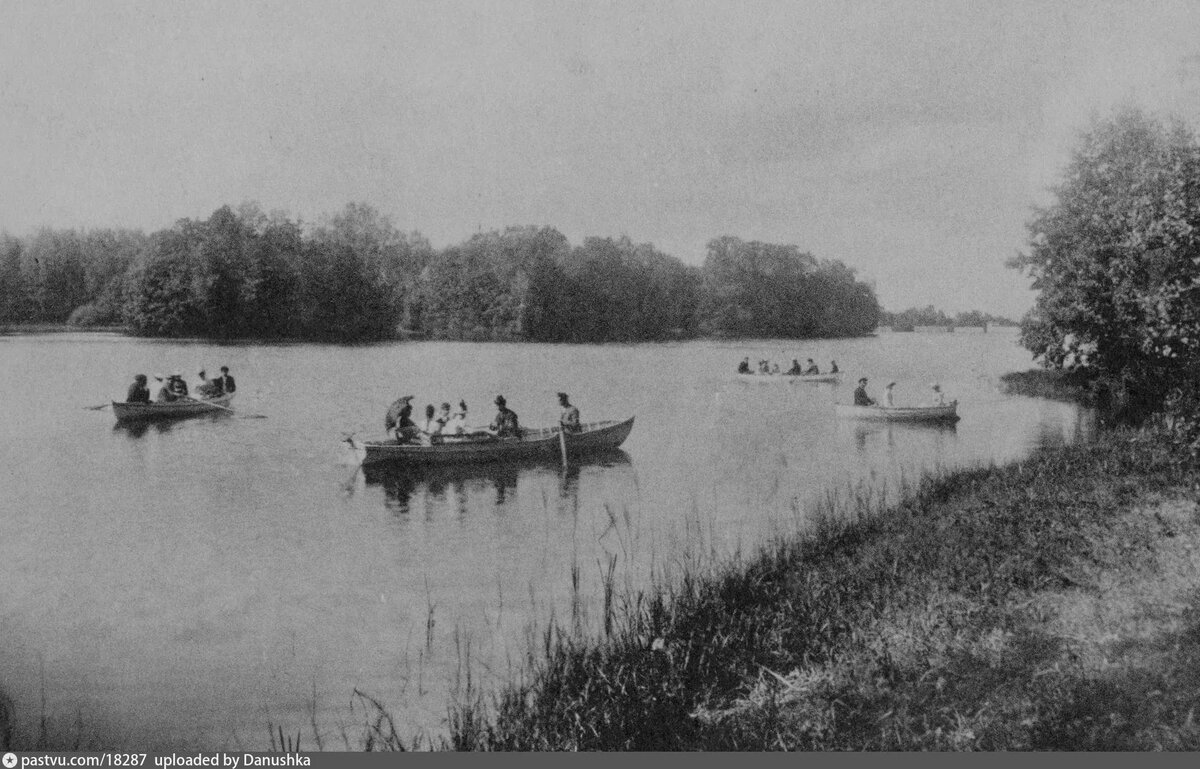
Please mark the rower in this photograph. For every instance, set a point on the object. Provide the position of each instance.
(207, 389)
(505, 424)
(569, 420)
(138, 391)
(860, 394)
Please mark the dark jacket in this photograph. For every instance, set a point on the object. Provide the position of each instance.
(138, 393)
(860, 397)
(226, 383)
(506, 422)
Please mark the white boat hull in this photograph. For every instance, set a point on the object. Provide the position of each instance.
(789, 378)
(946, 413)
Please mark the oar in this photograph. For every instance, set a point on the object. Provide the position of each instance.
(231, 411)
(97, 408)
(562, 444)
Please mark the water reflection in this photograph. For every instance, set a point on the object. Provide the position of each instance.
(454, 486)
(888, 434)
(138, 429)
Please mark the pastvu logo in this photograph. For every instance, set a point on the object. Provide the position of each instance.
(10, 760)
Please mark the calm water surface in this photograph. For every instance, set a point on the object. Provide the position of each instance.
(188, 584)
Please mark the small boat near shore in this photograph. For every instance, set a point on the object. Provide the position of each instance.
(536, 442)
(790, 378)
(146, 412)
(944, 413)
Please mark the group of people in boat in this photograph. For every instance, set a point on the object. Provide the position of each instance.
(440, 424)
(889, 400)
(766, 367)
(174, 388)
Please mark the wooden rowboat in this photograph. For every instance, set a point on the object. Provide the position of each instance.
(538, 442)
(946, 413)
(146, 412)
(790, 378)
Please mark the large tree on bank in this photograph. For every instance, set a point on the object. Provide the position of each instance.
(1116, 259)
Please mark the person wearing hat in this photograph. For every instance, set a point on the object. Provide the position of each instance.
(505, 424)
(860, 394)
(138, 391)
(443, 417)
(225, 381)
(744, 366)
(812, 368)
(206, 388)
(166, 393)
(179, 387)
(939, 398)
(431, 428)
(889, 399)
(833, 369)
(569, 420)
(458, 421)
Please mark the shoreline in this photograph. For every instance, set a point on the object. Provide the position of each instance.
(1048, 604)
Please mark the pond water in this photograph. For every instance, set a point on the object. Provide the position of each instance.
(189, 584)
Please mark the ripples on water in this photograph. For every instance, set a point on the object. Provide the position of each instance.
(187, 583)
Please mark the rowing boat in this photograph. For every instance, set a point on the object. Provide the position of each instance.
(537, 442)
(145, 412)
(790, 378)
(943, 413)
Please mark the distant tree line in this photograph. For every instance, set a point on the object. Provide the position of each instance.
(245, 274)
(907, 320)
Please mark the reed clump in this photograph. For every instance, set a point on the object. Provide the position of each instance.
(1049, 604)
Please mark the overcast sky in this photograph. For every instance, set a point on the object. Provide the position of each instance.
(908, 140)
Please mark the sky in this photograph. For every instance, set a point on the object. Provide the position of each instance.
(909, 140)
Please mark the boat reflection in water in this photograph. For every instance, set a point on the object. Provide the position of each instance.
(409, 487)
(888, 433)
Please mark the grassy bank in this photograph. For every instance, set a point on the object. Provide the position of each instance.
(1051, 604)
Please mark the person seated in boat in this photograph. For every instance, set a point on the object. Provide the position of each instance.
(811, 368)
(138, 391)
(457, 424)
(178, 386)
(505, 424)
(165, 394)
(226, 381)
(889, 397)
(775, 369)
(796, 369)
(744, 366)
(833, 369)
(938, 398)
(443, 417)
(431, 428)
(764, 367)
(568, 421)
(860, 394)
(207, 388)
(399, 419)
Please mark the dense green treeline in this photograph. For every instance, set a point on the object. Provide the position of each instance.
(242, 273)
